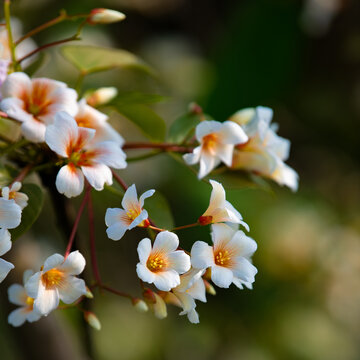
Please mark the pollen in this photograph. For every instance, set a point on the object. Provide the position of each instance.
(52, 278)
(132, 214)
(156, 264)
(209, 142)
(222, 258)
(29, 302)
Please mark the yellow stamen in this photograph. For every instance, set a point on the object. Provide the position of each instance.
(156, 263)
(222, 258)
(30, 302)
(209, 142)
(52, 278)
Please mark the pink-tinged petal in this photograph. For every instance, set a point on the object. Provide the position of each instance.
(166, 242)
(33, 316)
(144, 273)
(110, 154)
(143, 216)
(206, 128)
(217, 197)
(146, 195)
(62, 134)
(244, 270)
(32, 285)
(202, 255)
(21, 199)
(130, 200)
(97, 175)
(232, 133)
(5, 268)
(116, 231)
(179, 261)
(114, 215)
(243, 245)
(198, 290)
(53, 261)
(46, 301)
(225, 153)
(17, 294)
(144, 250)
(34, 130)
(221, 234)
(70, 181)
(17, 85)
(14, 107)
(207, 163)
(221, 276)
(166, 280)
(71, 289)
(10, 214)
(18, 317)
(5, 241)
(74, 264)
(193, 157)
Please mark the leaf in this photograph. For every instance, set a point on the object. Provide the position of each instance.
(159, 211)
(182, 126)
(90, 59)
(150, 123)
(32, 211)
(5, 177)
(135, 97)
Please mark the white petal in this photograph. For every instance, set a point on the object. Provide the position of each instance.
(70, 181)
(221, 234)
(234, 216)
(193, 157)
(179, 261)
(18, 317)
(33, 316)
(144, 250)
(10, 214)
(244, 245)
(113, 215)
(5, 241)
(221, 276)
(144, 273)
(110, 154)
(26, 276)
(146, 195)
(116, 231)
(32, 285)
(15, 108)
(244, 270)
(193, 316)
(46, 301)
(225, 153)
(198, 290)
(166, 242)
(166, 280)
(72, 289)
(21, 199)
(130, 200)
(202, 255)
(33, 130)
(74, 264)
(207, 163)
(53, 261)
(5, 268)
(232, 133)
(97, 175)
(187, 302)
(137, 221)
(206, 128)
(159, 307)
(240, 284)
(217, 197)
(17, 294)
(15, 85)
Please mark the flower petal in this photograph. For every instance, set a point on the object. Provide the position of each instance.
(18, 317)
(10, 214)
(207, 127)
(143, 216)
(5, 241)
(17, 294)
(146, 195)
(144, 250)
(202, 255)
(242, 244)
(166, 280)
(179, 261)
(166, 242)
(244, 270)
(33, 130)
(32, 285)
(130, 200)
(116, 231)
(74, 264)
(70, 181)
(217, 198)
(221, 276)
(72, 289)
(144, 273)
(110, 154)
(16, 85)
(232, 133)
(46, 300)
(97, 175)
(53, 261)
(5, 268)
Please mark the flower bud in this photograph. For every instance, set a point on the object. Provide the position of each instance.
(105, 16)
(88, 293)
(195, 109)
(159, 307)
(101, 96)
(243, 117)
(140, 305)
(92, 320)
(149, 296)
(209, 288)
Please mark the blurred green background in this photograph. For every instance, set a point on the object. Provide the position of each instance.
(302, 58)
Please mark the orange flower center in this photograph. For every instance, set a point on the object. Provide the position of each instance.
(156, 263)
(222, 258)
(209, 142)
(52, 278)
(30, 302)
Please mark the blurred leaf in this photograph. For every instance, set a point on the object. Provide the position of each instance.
(182, 126)
(90, 59)
(5, 177)
(135, 97)
(159, 211)
(150, 123)
(35, 66)
(32, 210)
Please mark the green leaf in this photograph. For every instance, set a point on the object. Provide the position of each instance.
(31, 211)
(159, 211)
(5, 177)
(90, 59)
(135, 97)
(182, 126)
(150, 123)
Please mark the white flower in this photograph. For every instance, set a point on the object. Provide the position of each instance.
(220, 210)
(84, 158)
(265, 152)
(228, 258)
(34, 102)
(161, 264)
(105, 16)
(132, 214)
(10, 214)
(191, 288)
(13, 193)
(57, 281)
(217, 141)
(5, 246)
(91, 118)
(18, 296)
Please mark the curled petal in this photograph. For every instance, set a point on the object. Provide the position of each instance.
(74, 264)
(70, 181)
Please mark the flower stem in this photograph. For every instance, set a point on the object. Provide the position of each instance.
(22, 174)
(94, 262)
(155, 228)
(162, 146)
(114, 291)
(76, 223)
(119, 180)
(185, 226)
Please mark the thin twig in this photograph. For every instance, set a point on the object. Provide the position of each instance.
(119, 180)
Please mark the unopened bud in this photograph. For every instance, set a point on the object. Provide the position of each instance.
(101, 96)
(140, 305)
(209, 288)
(92, 320)
(88, 293)
(105, 16)
(243, 117)
(149, 296)
(195, 109)
(205, 220)
(159, 307)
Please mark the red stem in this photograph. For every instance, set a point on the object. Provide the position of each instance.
(185, 226)
(116, 292)
(76, 223)
(94, 262)
(22, 174)
(163, 146)
(119, 180)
